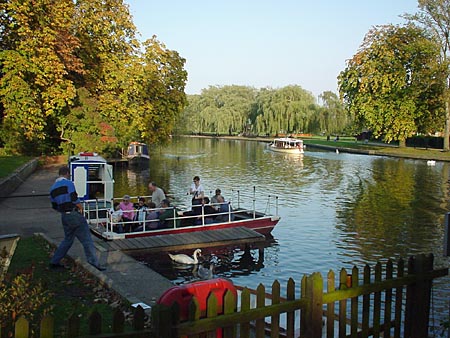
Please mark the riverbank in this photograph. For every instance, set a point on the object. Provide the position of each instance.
(27, 211)
(349, 145)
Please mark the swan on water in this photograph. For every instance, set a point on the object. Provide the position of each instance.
(205, 273)
(185, 259)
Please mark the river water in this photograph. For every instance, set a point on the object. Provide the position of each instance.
(337, 210)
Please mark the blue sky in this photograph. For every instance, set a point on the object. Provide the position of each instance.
(264, 43)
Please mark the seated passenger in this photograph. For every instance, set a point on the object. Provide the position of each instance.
(215, 199)
(140, 214)
(115, 215)
(224, 211)
(128, 212)
(168, 216)
(151, 217)
(207, 212)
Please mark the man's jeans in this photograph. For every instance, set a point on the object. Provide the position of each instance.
(75, 225)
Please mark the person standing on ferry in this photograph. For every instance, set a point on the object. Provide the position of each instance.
(157, 194)
(64, 199)
(196, 191)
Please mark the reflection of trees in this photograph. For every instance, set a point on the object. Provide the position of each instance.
(392, 212)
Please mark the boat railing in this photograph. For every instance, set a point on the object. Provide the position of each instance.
(98, 212)
(271, 203)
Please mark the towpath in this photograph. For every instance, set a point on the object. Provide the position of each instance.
(27, 211)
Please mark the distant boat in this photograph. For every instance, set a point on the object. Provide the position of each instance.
(137, 154)
(287, 145)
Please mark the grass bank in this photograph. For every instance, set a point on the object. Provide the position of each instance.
(8, 164)
(70, 291)
(378, 148)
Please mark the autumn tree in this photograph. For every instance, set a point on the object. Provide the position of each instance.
(434, 16)
(39, 52)
(74, 75)
(393, 84)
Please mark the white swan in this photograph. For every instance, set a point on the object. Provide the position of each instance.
(204, 273)
(185, 259)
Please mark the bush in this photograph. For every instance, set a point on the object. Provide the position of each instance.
(23, 297)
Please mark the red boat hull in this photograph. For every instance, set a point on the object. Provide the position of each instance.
(261, 225)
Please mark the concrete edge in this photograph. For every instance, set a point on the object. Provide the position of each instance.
(105, 280)
(10, 183)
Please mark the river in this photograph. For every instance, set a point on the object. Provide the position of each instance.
(337, 209)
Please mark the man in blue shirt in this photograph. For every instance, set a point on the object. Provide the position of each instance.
(65, 200)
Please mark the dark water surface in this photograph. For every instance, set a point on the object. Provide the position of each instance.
(337, 210)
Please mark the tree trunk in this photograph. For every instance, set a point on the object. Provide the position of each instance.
(402, 143)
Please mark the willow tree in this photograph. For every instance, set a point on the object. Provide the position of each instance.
(286, 110)
(393, 82)
(332, 117)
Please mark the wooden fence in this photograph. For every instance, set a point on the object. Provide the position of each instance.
(397, 305)
(388, 301)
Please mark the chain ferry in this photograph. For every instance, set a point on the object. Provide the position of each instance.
(93, 179)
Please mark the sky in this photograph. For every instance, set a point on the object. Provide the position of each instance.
(264, 43)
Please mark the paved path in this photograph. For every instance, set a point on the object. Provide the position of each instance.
(28, 211)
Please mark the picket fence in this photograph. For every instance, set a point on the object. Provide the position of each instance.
(388, 301)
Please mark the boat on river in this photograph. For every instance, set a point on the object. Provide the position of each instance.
(93, 179)
(137, 154)
(287, 145)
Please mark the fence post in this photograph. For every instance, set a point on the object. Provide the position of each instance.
(118, 323)
(47, 326)
(22, 328)
(447, 235)
(164, 320)
(73, 326)
(418, 297)
(314, 293)
(95, 323)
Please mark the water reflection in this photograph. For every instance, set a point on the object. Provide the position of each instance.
(337, 210)
(228, 262)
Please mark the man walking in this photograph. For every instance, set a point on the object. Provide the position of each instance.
(64, 199)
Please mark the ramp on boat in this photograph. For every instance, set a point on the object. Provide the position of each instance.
(199, 239)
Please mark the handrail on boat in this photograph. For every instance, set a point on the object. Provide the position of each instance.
(97, 212)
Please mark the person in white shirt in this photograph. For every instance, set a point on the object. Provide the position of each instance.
(196, 191)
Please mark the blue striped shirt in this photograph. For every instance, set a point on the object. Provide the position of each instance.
(63, 195)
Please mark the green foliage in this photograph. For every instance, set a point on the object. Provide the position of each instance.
(434, 17)
(8, 164)
(232, 110)
(75, 76)
(23, 297)
(71, 291)
(394, 84)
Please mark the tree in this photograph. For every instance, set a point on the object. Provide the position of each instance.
(394, 82)
(74, 76)
(34, 88)
(434, 16)
(332, 117)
